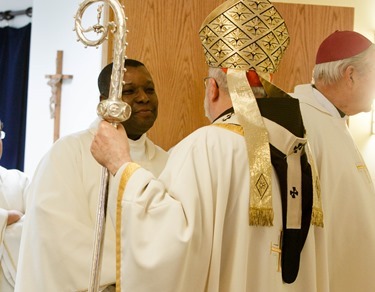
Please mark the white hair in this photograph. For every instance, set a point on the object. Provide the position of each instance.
(221, 80)
(330, 72)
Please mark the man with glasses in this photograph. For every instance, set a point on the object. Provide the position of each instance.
(13, 185)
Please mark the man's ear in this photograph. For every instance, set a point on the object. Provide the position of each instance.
(213, 90)
(349, 75)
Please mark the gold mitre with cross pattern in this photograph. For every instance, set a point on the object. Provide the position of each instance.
(244, 35)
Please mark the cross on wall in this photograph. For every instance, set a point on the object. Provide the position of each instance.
(55, 81)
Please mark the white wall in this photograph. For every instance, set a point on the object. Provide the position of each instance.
(52, 30)
(52, 25)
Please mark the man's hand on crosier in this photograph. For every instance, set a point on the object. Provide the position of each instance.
(110, 146)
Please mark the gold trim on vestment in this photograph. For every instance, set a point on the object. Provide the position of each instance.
(127, 173)
(271, 89)
(258, 150)
(317, 211)
(231, 127)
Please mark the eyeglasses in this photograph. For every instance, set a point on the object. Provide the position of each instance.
(2, 135)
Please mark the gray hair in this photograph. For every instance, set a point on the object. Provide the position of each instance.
(221, 80)
(330, 72)
(220, 77)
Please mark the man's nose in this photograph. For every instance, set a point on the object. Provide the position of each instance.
(142, 96)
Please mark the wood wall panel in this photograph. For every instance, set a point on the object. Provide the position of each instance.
(163, 34)
(308, 26)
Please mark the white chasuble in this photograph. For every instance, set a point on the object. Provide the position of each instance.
(348, 196)
(57, 243)
(13, 185)
(188, 230)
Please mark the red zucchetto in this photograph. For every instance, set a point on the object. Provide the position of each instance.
(341, 45)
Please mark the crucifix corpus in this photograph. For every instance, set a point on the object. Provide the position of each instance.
(55, 81)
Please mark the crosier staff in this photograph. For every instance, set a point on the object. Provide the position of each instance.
(113, 109)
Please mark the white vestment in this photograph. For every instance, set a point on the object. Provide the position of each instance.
(57, 243)
(348, 195)
(188, 230)
(13, 185)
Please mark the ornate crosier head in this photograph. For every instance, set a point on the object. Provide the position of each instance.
(113, 109)
(244, 35)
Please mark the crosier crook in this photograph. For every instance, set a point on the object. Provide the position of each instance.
(113, 109)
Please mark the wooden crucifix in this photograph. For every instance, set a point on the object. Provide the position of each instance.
(55, 81)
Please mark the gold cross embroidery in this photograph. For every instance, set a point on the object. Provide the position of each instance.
(276, 247)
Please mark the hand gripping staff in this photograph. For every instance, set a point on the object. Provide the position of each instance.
(113, 109)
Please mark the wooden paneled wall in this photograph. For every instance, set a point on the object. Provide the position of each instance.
(163, 34)
(308, 26)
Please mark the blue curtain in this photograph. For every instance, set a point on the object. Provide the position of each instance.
(14, 71)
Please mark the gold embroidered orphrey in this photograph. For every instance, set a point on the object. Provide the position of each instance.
(245, 35)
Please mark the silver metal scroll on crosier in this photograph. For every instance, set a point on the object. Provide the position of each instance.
(113, 109)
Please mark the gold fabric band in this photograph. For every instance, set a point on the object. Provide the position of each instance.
(257, 142)
(317, 218)
(127, 173)
(231, 127)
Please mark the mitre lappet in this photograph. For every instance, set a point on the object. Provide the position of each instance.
(248, 39)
